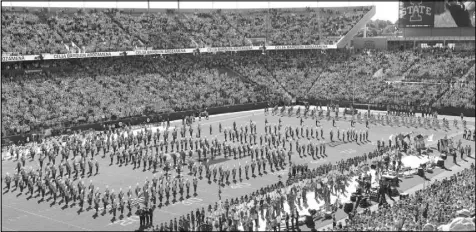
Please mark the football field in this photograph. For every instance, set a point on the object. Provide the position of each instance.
(20, 212)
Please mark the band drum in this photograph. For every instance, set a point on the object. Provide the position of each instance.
(348, 207)
(440, 163)
(421, 172)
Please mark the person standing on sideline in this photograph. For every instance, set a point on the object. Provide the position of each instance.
(141, 217)
(454, 156)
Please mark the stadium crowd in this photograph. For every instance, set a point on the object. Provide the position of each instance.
(56, 94)
(98, 89)
(97, 30)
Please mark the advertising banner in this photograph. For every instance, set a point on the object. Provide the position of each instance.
(158, 52)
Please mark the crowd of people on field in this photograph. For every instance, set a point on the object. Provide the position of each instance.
(79, 152)
(130, 148)
(267, 204)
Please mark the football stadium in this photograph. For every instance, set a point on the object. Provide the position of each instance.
(312, 118)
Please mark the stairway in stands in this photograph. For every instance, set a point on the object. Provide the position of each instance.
(466, 76)
(271, 73)
(231, 73)
(345, 40)
(119, 24)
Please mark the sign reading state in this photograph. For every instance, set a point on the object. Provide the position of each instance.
(416, 14)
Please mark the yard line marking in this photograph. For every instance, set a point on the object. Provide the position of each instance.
(348, 151)
(169, 212)
(266, 179)
(223, 194)
(38, 215)
(4, 227)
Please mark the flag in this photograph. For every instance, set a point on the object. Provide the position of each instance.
(425, 211)
(194, 43)
(417, 213)
(430, 138)
(78, 50)
(249, 41)
(146, 196)
(137, 201)
(65, 45)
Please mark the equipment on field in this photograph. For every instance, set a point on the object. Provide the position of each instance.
(403, 196)
(421, 172)
(348, 207)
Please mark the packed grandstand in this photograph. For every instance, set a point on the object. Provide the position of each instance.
(57, 95)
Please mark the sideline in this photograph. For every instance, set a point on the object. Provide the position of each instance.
(7, 229)
(38, 215)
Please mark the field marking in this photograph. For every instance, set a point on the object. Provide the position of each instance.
(126, 222)
(211, 193)
(38, 215)
(165, 211)
(317, 161)
(348, 151)
(4, 227)
(281, 172)
(265, 179)
(240, 185)
(243, 116)
(190, 202)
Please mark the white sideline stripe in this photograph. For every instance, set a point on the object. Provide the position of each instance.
(4, 227)
(227, 119)
(38, 215)
(259, 111)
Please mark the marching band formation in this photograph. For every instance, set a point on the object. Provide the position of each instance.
(173, 149)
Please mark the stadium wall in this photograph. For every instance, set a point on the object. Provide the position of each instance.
(449, 31)
(370, 43)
